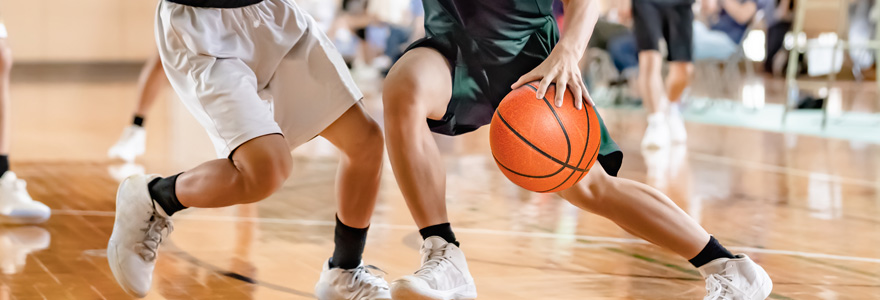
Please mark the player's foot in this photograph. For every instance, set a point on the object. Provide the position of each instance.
(657, 133)
(16, 205)
(137, 233)
(353, 284)
(677, 131)
(444, 275)
(738, 278)
(130, 145)
(16, 243)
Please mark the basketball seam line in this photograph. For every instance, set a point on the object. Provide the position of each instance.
(561, 126)
(586, 144)
(545, 154)
(564, 164)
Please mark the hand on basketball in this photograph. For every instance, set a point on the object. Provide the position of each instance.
(560, 68)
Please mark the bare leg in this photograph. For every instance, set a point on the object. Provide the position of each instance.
(150, 82)
(419, 86)
(257, 169)
(360, 139)
(651, 81)
(679, 79)
(640, 210)
(5, 68)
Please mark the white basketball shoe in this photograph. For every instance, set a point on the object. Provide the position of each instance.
(657, 133)
(737, 278)
(16, 243)
(130, 145)
(677, 131)
(140, 227)
(444, 275)
(351, 284)
(16, 205)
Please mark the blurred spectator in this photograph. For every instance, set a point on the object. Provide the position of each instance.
(723, 25)
(778, 15)
(406, 31)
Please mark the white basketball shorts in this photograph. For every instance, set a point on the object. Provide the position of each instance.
(254, 70)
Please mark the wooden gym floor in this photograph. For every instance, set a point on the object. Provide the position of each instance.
(806, 208)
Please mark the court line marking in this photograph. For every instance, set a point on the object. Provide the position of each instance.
(780, 169)
(474, 231)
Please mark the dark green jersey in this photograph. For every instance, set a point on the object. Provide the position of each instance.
(500, 30)
(490, 44)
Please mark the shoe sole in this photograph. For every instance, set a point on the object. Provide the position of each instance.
(404, 291)
(117, 274)
(113, 259)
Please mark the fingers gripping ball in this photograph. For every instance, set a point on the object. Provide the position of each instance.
(539, 146)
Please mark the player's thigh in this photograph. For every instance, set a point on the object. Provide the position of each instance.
(420, 80)
(355, 132)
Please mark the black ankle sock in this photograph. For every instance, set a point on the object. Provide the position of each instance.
(712, 251)
(4, 164)
(138, 120)
(350, 243)
(442, 230)
(162, 191)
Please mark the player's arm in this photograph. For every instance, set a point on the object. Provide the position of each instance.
(561, 67)
(709, 9)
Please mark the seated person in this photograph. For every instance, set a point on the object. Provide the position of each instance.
(613, 34)
(722, 26)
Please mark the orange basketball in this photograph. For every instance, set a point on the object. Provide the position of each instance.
(539, 146)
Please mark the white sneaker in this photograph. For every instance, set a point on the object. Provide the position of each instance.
(657, 133)
(444, 275)
(137, 233)
(130, 145)
(16, 205)
(677, 131)
(353, 284)
(739, 278)
(16, 243)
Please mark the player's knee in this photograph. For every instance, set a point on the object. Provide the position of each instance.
(400, 92)
(262, 170)
(265, 181)
(681, 72)
(589, 194)
(368, 146)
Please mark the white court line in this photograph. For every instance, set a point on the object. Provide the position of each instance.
(781, 169)
(590, 238)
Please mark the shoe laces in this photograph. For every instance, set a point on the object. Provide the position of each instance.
(721, 287)
(154, 233)
(363, 283)
(433, 260)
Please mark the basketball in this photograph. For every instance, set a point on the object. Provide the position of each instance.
(541, 147)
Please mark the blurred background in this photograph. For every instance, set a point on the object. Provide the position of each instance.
(781, 160)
